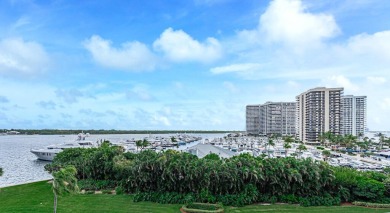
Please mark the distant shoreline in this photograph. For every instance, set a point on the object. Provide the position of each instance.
(102, 132)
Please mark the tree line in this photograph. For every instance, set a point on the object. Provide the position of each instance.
(243, 178)
(102, 131)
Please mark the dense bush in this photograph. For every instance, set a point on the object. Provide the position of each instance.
(90, 184)
(176, 177)
(91, 163)
(356, 185)
(326, 200)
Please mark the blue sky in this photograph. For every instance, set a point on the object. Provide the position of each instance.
(184, 64)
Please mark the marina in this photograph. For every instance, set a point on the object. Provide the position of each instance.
(22, 166)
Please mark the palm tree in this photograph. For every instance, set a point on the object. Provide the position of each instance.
(64, 181)
(286, 146)
(144, 144)
(326, 153)
(301, 148)
(270, 142)
(138, 144)
(326, 137)
(381, 139)
(360, 135)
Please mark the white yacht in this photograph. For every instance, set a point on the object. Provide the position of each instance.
(51, 151)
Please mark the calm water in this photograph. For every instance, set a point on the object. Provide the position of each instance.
(21, 166)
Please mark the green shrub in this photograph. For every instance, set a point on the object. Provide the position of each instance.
(369, 189)
(89, 184)
(206, 197)
(119, 190)
(161, 197)
(291, 199)
(326, 200)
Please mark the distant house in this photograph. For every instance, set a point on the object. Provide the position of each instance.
(202, 150)
(13, 133)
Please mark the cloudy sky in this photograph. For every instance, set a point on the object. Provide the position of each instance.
(177, 64)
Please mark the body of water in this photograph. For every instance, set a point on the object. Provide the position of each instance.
(21, 166)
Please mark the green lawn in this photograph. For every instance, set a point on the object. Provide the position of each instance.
(38, 197)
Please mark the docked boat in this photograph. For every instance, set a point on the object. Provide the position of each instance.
(51, 151)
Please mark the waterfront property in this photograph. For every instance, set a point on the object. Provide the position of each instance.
(318, 111)
(271, 118)
(252, 119)
(354, 115)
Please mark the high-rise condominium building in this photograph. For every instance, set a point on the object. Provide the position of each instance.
(277, 118)
(354, 115)
(318, 111)
(252, 119)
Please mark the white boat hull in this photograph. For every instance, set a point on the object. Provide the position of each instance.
(42, 154)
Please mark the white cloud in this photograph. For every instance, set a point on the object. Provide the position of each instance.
(238, 68)
(132, 56)
(340, 81)
(288, 22)
(375, 46)
(178, 46)
(22, 57)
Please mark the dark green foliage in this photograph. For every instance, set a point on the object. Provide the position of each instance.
(356, 185)
(119, 190)
(326, 200)
(368, 189)
(212, 156)
(92, 163)
(161, 197)
(178, 177)
(202, 206)
(289, 199)
(90, 184)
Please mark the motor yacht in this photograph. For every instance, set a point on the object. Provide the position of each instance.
(51, 151)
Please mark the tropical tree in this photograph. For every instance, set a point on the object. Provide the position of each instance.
(326, 154)
(381, 137)
(145, 143)
(64, 182)
(301, 148)
(326, 137)
(269, 142)
(350, 141)
(138, 144)
(360, 136)
(286, 146)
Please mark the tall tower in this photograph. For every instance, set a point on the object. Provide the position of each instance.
(318, 111)
(354, 113)
(277, 118)
(252, 119)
